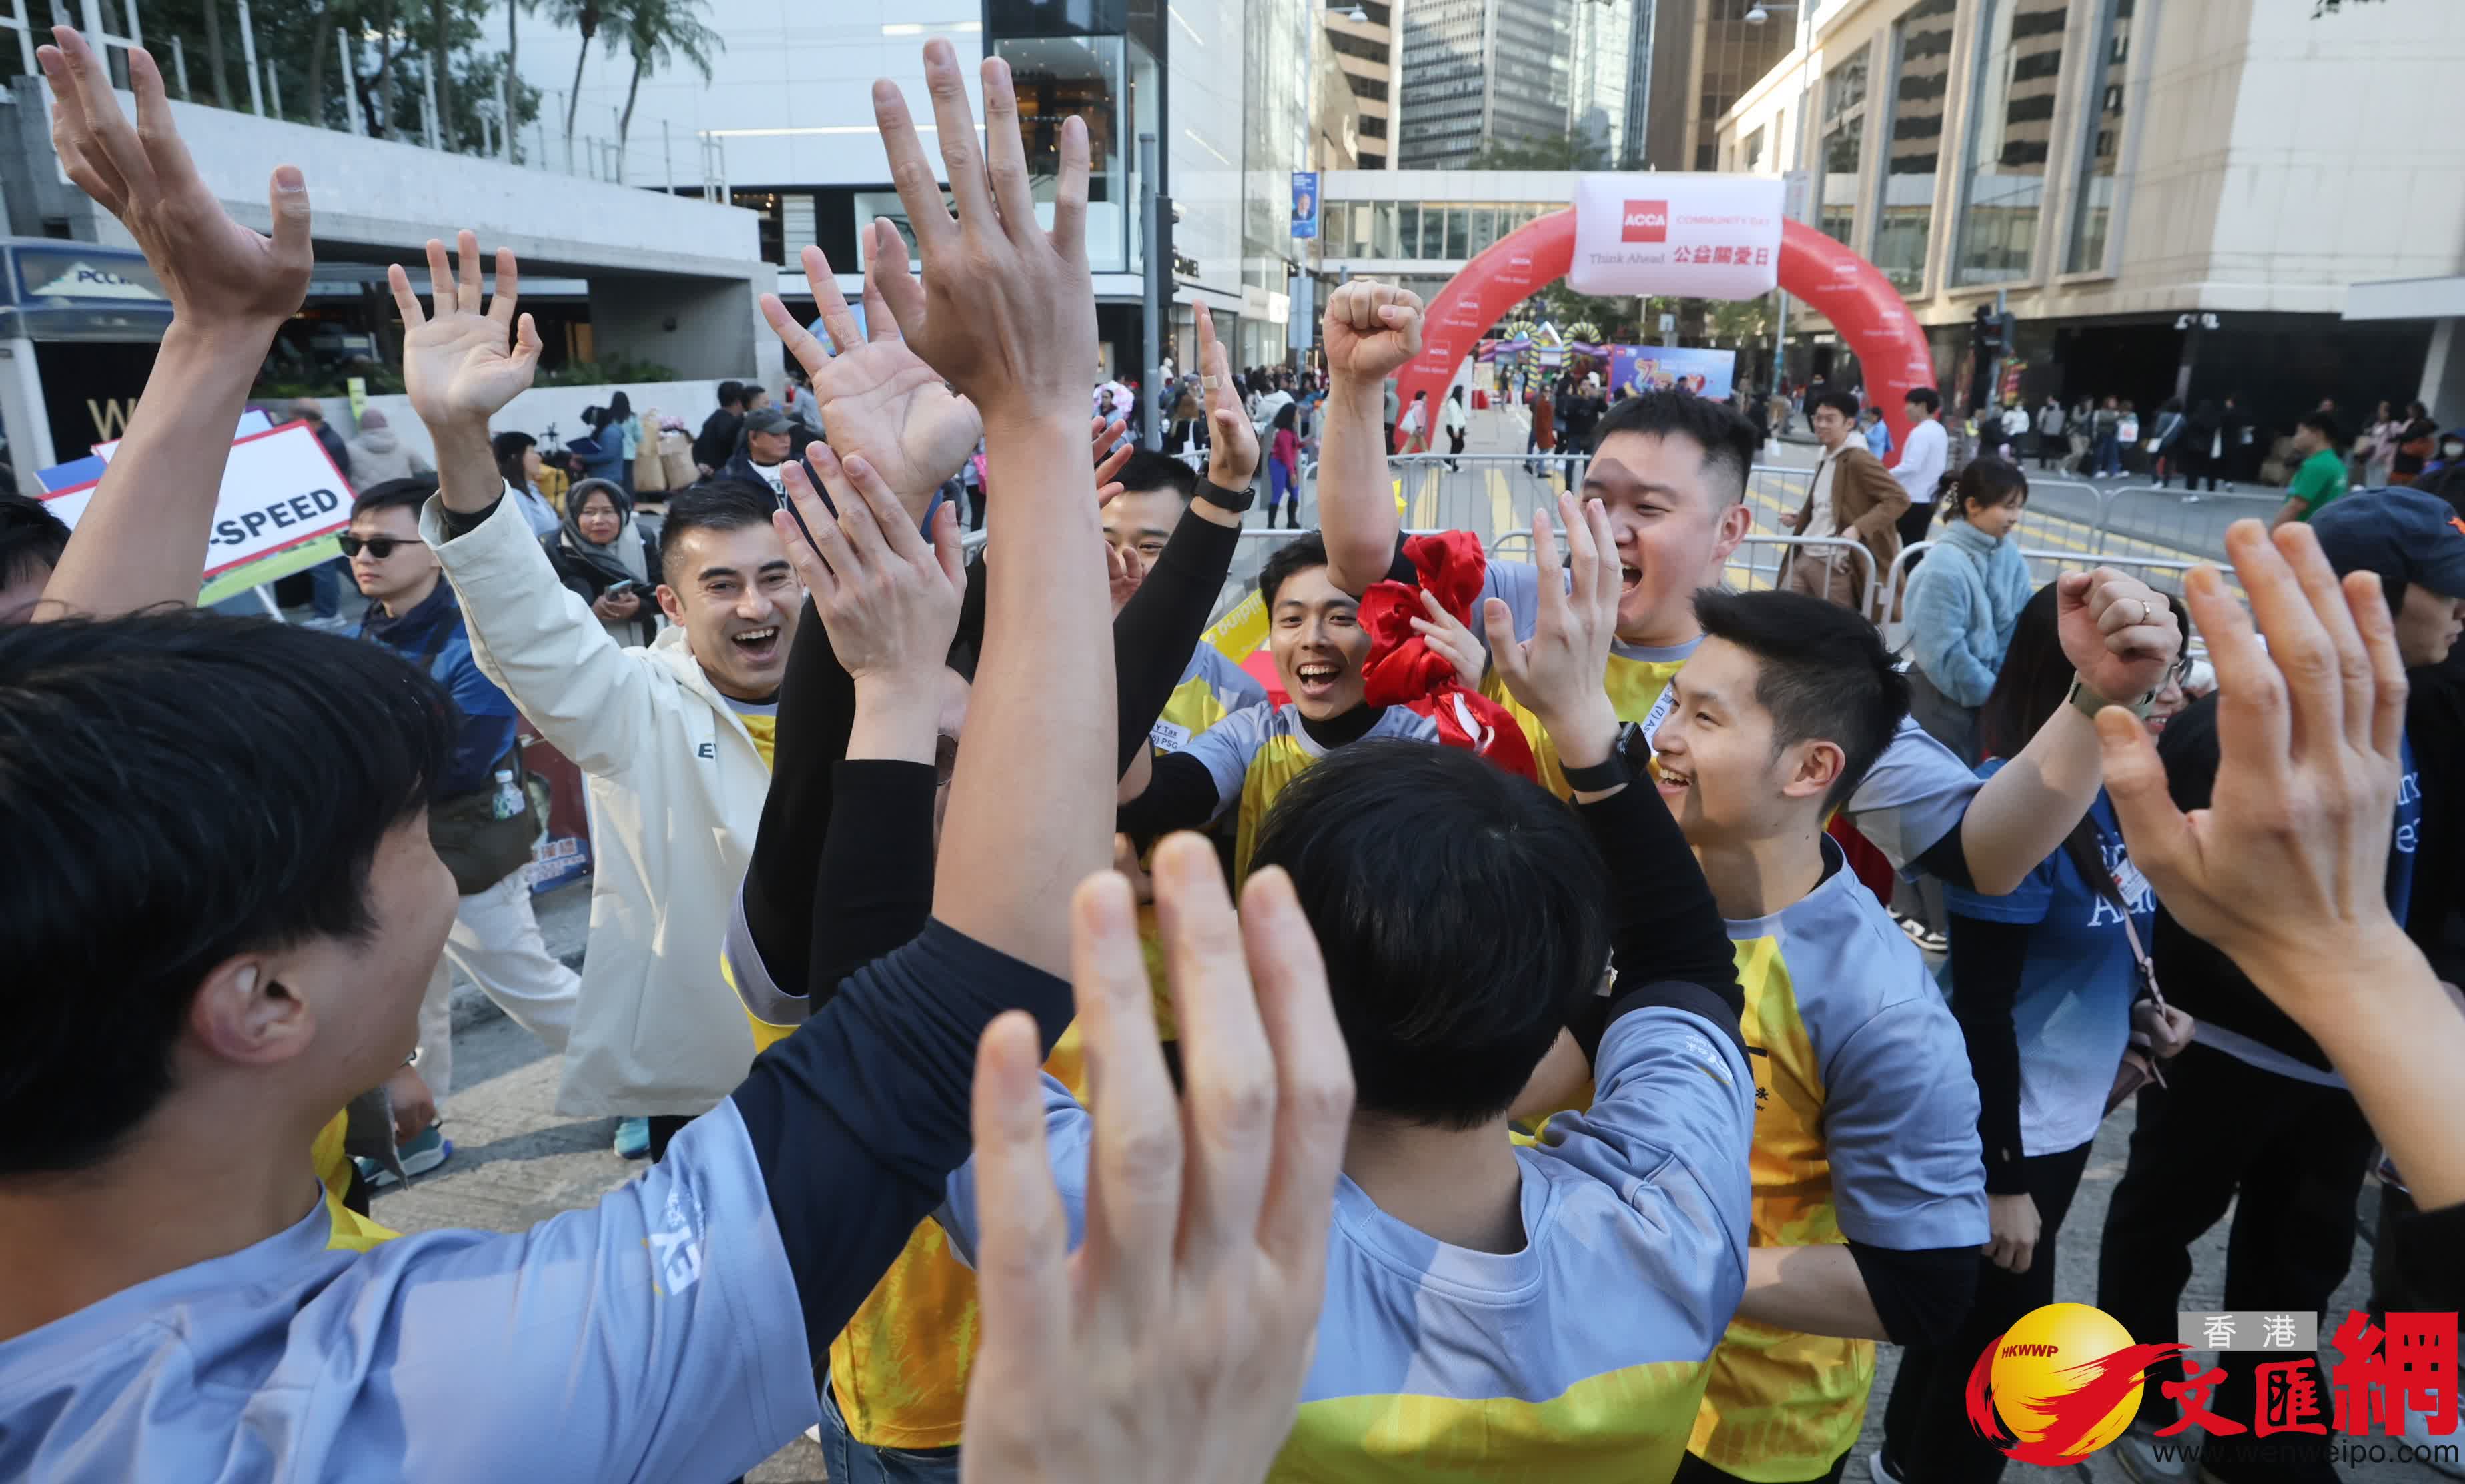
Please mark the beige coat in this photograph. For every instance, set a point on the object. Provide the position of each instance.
(675, 791)
(1866, 504)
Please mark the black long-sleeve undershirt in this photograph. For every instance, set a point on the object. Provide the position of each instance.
(858, 1117)
(1986, 965)
(1156, 630)
(1667, 940)
(1919, 1294)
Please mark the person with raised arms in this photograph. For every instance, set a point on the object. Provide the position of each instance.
(1672, 470)
(236, 1342)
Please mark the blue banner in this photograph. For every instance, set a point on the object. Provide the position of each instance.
(1706, 373)
(1305, 203)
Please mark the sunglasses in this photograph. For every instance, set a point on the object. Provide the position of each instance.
(377, 546)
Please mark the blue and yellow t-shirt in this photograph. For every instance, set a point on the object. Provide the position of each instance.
(1211, 688)
(1253, 754)
(351, 1231)
(1865, 1129)
(1580, 1357)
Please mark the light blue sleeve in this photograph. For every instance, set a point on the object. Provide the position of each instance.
(2026, 903)
(1068, 1134)
(1900, 1125)
(1236, 688)
(1516, 584)
(654, 1335)
(1226, 748)
(1671, 1120)
(1913, 797)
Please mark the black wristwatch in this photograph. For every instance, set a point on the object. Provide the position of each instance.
(1235, 501)
(1600, 777)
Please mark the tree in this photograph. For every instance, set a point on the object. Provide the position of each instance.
(658, 32)
(586, 18)
(1559, 152)
(513, 53)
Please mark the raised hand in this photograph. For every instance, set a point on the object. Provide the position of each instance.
(2285, 870)
(1174, 1343)
(1372, 329)
(880, 401)
(1446, 636)
(2118, 631)
(1007, 310)
(458, 366)
(1232, 454)
(1110, 453)
(889, 600)
(217, 273)
(1559, 673)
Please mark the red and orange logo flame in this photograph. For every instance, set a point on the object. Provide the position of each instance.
(2059, 1384)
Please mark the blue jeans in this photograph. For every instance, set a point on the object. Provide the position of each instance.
(850, 1462)
(2109, 454)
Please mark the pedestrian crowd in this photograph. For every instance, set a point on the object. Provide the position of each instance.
(1059, 1057)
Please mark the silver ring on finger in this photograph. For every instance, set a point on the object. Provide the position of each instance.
(2143, 608)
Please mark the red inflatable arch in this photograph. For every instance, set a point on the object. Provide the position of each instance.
(1858, 300)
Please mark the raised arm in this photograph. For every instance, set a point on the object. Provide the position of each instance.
(142, 542)
(1006, 312)
(2120, 636)
(1372, 329)
(2284, 869)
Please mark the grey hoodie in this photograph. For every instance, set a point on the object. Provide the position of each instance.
(377, 454)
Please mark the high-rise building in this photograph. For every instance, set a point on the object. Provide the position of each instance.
(1363, 53)
(1689, 61)
(1601, 58)
(1494, 72)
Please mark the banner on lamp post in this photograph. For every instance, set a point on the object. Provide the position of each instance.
(1677, 235)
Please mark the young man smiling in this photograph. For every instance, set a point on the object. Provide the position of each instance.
(1671, 469)
(676, 736)
(1870, 1196)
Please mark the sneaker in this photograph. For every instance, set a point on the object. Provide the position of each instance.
(1881, 1469)
(1927, 939)
(418, 1157)
(632, 1138)
(2137, 1452)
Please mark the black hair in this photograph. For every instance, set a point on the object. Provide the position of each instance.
(194, 787)
(1727, 439)
(713, 506)
(508, 449)
(31, 537)
(1926, 397)
(2033, 683)
(1294, 555)
(730, 391)
(1841, 401)
(1148, 471)
(1985, 481)
(1822, 671)
(2324, 424)
(409, 493)
(1289, 414)
(1461, 911)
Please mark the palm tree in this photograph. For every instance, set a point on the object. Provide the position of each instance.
(584, 16)
(658, 32)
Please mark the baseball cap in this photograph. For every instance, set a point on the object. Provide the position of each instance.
(767, 420)
(2406, 534)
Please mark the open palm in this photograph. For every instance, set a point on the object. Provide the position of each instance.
(460, 364)
(877, 398)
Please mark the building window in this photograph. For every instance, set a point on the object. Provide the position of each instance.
(2093, 207)
(1382, 242)
(1844, 129)
(1434, 232)
(1057, 78)
(2010, 125)
(1484, 229)
(1407, 229)
(1913, 147)
(1755, 151)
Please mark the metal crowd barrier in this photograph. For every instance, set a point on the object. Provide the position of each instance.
(2164, 573)
(1754, 565)
(2168, 519)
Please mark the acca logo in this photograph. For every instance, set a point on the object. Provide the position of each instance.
(1646, 221)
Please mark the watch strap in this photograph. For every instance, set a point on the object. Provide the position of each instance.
(1235, 501)
(2088, 703)
(1600, 777)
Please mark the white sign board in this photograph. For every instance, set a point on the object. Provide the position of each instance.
(250, 421)
(278, 490)
(1682, 235)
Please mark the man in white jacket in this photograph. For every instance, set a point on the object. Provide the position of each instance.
(676, 737)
